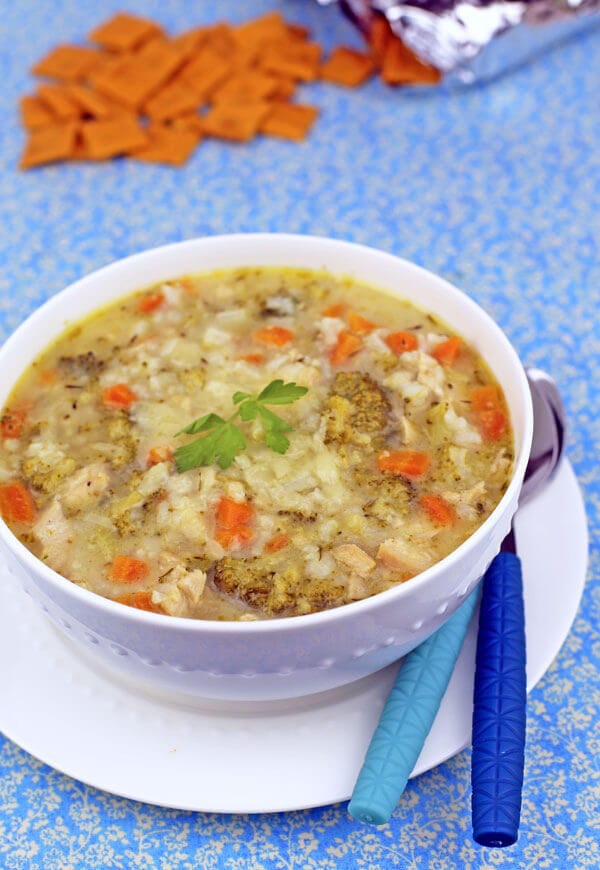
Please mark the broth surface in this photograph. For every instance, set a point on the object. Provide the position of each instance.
(398, 451)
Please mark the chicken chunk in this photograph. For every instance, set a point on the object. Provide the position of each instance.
(181, 591)
(53, 533)
(85, 488)
(354, 558)
(399, 555)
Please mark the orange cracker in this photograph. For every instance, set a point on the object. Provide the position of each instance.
(379, 37)
(57, 99)
(235, 122)
(103, 139)
(190, 121)
(135, 78)
(348, 67)
(172, 100)
(189, 42)
(258, 30)
(49, 144)
(246, 87)
(286, 88)
(297, 31)
(401, 66)
(170, 145)
(70, 63)
(206, 72)
(282, 59)
(90, 102)
(124, 32)
(221, 40)
(289, 121)
(35, 113)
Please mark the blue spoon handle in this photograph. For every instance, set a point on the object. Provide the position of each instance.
(407, 718)
(499, 705)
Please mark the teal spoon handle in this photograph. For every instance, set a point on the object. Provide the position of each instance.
(407, 718)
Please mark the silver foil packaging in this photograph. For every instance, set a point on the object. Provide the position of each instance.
(470, 41)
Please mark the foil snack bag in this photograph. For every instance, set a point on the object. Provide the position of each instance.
(475, 40)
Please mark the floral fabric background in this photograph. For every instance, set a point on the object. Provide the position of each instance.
(495, 188)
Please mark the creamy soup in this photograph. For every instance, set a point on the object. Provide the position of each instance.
(343, 442)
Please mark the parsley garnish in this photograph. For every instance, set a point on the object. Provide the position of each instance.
(223, 440)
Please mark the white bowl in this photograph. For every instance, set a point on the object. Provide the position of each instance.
(276, 658)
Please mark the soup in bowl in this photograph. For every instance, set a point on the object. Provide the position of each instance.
(258, 466)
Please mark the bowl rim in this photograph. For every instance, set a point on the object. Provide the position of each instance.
(289, 623)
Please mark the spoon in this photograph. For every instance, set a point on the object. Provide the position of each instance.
(500, 690)
(424, 675)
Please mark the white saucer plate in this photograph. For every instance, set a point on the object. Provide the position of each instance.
(272, 756)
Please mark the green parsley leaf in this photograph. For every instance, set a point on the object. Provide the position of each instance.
(220, 446)
(239, 397)
(278, 393)
(222, 439)
(202, 424)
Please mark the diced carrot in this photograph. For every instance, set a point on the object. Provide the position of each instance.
(276, 336)
(336, 310)
(277, 542)
(12, 424)
(255, 358)
(118, 396)
(446, 352)
(438, 509)
(158, 454)
(139, 600)
(347, 344)
(411, 463)
(16, 503)
(348, 67)
(126, 569)
(485, 398)
(487, 404)
(48, 376)
(228, 537)
(150, 302)
(401, 342)
(493, 424)
(230, 514)
(360, 325)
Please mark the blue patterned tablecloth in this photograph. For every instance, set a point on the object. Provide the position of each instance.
(497, 189)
